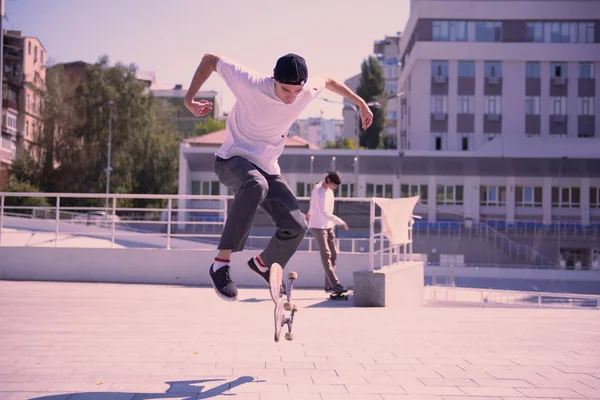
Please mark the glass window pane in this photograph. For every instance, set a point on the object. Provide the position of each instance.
(538, 194)
(519, 194)
(459, 194)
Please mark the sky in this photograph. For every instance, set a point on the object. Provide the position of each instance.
(169, 38)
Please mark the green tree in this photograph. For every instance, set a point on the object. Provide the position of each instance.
(372, 88)
(207, 126)
(144, 145)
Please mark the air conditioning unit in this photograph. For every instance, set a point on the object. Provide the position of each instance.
(560, 81)
(492, 80)
(439, 79)
(439, 116)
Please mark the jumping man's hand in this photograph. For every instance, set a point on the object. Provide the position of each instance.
(366, 116)
(199, 108)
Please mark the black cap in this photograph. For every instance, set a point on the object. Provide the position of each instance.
(291, 69)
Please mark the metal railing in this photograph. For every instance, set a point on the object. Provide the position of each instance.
(511, 298)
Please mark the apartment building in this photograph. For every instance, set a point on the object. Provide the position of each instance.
(23, 86)
(175, 95)
(473, 71)
(387, 51)
(318, 130)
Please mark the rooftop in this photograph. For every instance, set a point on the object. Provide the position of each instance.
(217, 138)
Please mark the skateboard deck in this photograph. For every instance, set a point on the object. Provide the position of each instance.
(282, 318)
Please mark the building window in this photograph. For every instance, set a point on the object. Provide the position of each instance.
(392, 115)
(29, 49)
(303, 189)
(466, 104)
(35, 55)
(532, 105)
(26, 128)
(439, 141)
(414, 190)
(465, 141)
(205, 188)
(486, 31)
(528, 196)
(466, 69)
(586, 70)
(558, 105)
(493, 69)
(565, 197)
(586, 32)
(439, 69)
(560, 32)
(594, 197)
(586, 105)
(391, 88)
(492, 105)
(344, 190)
(532, 69)
(11, 121)
(6, 141)
(535, 31)
(558, 70)
(380, 190)
(449, 195)
(492, 195)
(439, 104)
(471, 31)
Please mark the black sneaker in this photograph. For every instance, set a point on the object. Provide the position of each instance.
(255, 268)
(224, 286)
(339, 289)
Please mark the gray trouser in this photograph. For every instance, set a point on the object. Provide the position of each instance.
(253, 188)
(326, 241)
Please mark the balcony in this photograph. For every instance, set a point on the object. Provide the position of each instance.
(559, 119)
(493, 80)
(6, 103)
(559, 81)
(438, 116)
(492, 117)
(439, 79)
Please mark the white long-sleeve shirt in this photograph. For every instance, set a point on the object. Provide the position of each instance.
(321, 208)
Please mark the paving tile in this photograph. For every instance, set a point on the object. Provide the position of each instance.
(157, 343)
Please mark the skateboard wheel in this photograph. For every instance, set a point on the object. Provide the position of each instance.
(292, 276)
(288, 306)
(289, 336)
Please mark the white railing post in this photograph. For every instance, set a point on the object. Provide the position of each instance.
(1, 218)
(57, 221)
(372, 237)
(169, 207)
(114, 216)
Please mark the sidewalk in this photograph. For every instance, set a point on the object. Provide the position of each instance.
(123, 342)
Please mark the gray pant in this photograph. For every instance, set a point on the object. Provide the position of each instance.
(326, 241)
(253, 188)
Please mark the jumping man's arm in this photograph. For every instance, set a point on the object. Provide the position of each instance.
(341, 89)
(207, 66)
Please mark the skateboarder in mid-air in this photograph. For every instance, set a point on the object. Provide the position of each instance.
(321, 222)
(247, 162)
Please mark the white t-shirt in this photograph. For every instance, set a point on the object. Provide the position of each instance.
(259, 122)
(321, 208)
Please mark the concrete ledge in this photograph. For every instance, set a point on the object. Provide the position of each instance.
(400, 285)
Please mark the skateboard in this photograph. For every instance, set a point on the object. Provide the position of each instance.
(281, 305)
(338, 296)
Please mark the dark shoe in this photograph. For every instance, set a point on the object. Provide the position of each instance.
(255, 268)
(224, 286)
(339, 289)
